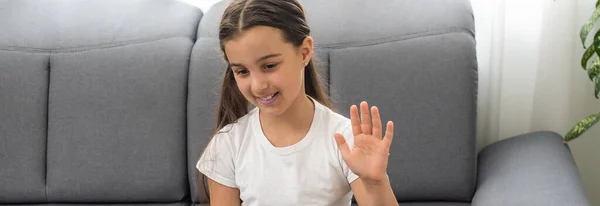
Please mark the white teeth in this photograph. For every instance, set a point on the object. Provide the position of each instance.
(267, 98)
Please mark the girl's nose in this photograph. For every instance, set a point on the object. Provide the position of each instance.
(259, 82)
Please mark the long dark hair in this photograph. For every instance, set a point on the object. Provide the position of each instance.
(241, 15)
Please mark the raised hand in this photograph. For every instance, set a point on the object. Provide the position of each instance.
(368, 158)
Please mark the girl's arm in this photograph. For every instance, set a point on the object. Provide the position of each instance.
(221, 195)
(375, 193)
(368, 157)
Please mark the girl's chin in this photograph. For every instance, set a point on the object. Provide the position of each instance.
(272, 109)
(271, 112)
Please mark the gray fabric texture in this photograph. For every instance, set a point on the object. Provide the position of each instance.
(431, 101)
(57, 24)
(116, 128)
(344, 22)
(109, 78)
(529, 169)
(419, 68)
(206, 69)
(23, 102)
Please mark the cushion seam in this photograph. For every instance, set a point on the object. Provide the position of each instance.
(88, 47)
(398, 38)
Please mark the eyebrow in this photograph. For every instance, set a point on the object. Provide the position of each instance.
(258, 60)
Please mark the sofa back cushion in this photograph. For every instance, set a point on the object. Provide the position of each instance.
(93, 100)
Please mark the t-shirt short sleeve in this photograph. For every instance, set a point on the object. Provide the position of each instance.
(217, 161)
(349, 136)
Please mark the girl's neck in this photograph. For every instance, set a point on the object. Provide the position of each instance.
(294, 122)
(299, 112)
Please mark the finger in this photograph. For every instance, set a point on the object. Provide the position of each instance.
(356, 130)
(365, 118)
(389, 133)
(377, 129)
(342, 144)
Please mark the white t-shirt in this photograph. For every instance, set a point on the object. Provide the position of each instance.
(310, 172)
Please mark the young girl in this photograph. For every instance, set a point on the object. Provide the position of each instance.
(291, 149)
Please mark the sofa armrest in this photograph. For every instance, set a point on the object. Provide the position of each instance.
(530, 169)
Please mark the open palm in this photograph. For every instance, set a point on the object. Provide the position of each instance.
(369, 156)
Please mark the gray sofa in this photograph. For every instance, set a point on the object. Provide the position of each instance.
(111, 102)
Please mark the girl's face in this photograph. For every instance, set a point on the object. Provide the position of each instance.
(268, 71)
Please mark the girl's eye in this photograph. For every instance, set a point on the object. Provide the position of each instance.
(270, 66)
(241, 72)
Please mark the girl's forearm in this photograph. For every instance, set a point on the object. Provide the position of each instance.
(380, 193)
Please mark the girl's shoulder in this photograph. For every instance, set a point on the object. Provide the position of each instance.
(332, 119)
(234, 131)
(241, 123)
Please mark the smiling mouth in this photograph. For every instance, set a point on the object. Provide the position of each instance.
(269, 97)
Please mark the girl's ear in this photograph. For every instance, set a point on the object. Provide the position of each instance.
(306, 49)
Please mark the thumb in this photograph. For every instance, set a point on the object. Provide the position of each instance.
(342, 144)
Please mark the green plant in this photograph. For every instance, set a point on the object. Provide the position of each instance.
(593, 70)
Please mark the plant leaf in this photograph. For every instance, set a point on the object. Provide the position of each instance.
(586, 56)
(582, 126)
(593, 72)
(585, 29)
(596, 42)
(597, 3)
(596, 86)
(594, 69)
